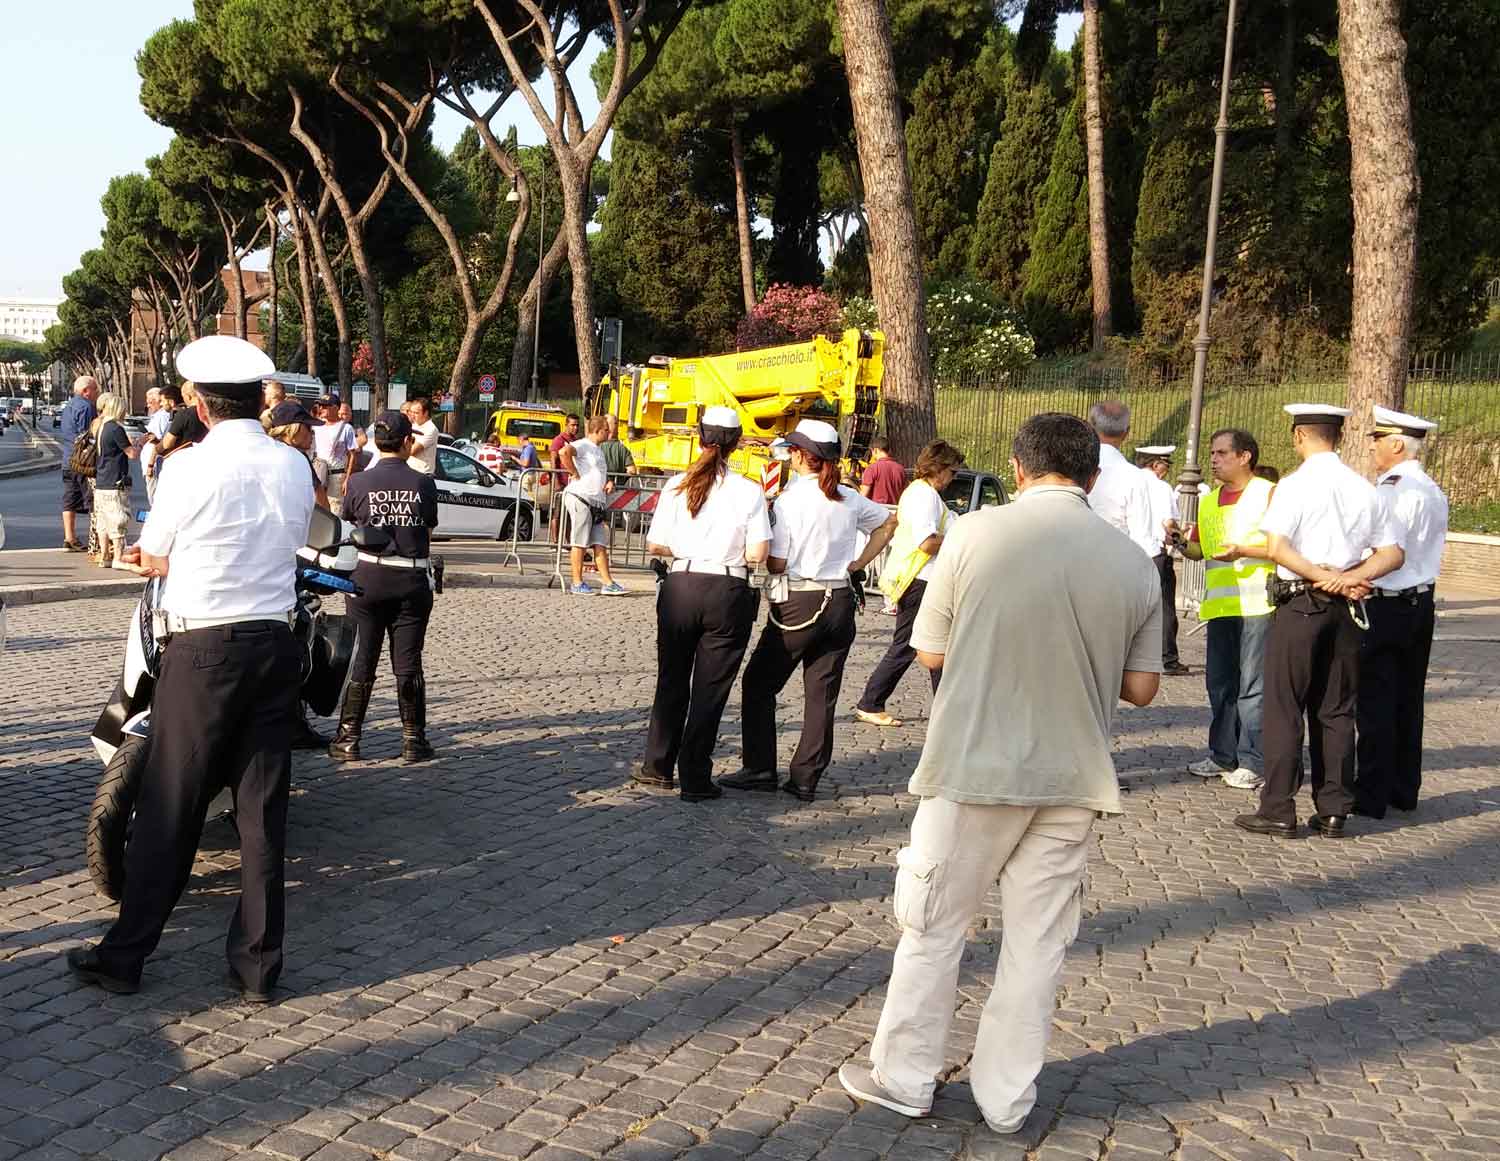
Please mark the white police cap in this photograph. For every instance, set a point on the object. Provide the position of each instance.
(1317, 413)
(1161, 449)
(721, 417)
(224, 359)
(1390, 422)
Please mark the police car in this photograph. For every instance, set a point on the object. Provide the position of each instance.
(474, 501)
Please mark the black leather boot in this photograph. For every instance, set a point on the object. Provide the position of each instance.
(345, 746)
(412, 694)
(304, 737)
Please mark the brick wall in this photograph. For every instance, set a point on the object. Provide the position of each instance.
(1471, 563)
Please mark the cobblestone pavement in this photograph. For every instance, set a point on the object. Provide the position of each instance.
(511, 952)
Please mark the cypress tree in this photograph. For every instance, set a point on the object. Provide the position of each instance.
(1057, 300)
(1019, 165)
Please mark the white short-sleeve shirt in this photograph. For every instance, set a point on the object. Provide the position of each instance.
(1121, 497)
(231, 515)
(588, 459)
(733, 515)
(1330, 514)
(333, 442)
(1419, 509)
(423, 456)
(922, 513)
(816, 536)
(1163, 508)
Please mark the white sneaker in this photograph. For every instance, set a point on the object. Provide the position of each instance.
(1243, 779)
(1207, 768)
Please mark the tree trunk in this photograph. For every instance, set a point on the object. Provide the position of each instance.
(1385, 186)
(275, 335)
(575, 229)
(1104, 325)
(895, 251)
(305, 290)
(521, 353)
(742, 215)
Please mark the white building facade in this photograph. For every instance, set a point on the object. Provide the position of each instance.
(27, 318)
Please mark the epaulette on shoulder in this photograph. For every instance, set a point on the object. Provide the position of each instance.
(1390, 481)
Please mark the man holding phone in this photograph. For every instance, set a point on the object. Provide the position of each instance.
(1235, 606)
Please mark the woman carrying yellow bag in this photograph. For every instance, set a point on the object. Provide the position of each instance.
(922, 519)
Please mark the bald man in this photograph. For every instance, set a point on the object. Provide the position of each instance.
(77, 415)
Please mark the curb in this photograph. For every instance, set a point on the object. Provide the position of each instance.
(45, 458)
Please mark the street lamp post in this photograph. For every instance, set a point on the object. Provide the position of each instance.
(541, 249)
(1192, 475)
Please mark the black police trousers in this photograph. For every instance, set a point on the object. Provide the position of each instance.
(1392, 686)
(820, 649)
(1168, 576)
(402, 617)
(225, 704)
(1312, 669)
(703, 625)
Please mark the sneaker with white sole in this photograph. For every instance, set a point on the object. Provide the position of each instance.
(1207, 768)
(613, 589)
(859, 1081)
(1243, 779)
(582, 590)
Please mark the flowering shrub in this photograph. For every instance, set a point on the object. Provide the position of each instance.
(860, 313)
(364, 364)
(789, 314)
(970, 332)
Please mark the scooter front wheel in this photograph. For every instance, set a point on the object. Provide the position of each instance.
(109, 818)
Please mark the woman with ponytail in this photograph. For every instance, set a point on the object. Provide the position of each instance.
(711, 524)
(815, 547)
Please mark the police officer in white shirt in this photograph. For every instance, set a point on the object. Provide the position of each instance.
(1321, 522)
(1394, 653)
(813, 546)
(224, 532)
(1155, 463)
(1120, 494)
(711, 523)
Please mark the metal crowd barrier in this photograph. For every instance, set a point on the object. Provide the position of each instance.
(529, 484)
(1191, 583)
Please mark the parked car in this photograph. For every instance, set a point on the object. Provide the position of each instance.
(972, 490)
(474, 501)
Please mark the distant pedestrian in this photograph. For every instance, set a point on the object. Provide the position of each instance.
(884, 479)
(185, 430)
(271, 393)
(585, 504)
(1235, 608)
(1120, 495)
(1042, 618)
(158, 420)
(77, 417)
(922, 519)
(424, 444)
(617, 458)
(112, 479)
(335, 445)
(1156, 462)
(1396, 648)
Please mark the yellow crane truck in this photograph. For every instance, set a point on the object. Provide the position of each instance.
(659, 404)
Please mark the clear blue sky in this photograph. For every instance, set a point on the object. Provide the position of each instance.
(70, 91)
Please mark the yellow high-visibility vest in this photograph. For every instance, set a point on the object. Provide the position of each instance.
(1234, 588)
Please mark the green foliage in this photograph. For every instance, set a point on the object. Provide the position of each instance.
(1019, 165)
(666, 257)
(970, 331)
(1058, 299)
(860, 313)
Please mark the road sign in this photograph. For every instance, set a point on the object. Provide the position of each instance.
(486, 389)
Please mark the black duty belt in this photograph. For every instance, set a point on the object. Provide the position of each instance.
(1410, 594)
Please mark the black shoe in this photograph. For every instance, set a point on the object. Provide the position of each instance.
(704, 794)
(345, 747)
(247, 994)
(652, 779)
(1327, 825)
(85, 963)
(72, 546)
(802, 792)
(304, 737)
(411, 694)
(750, 780)
(1257, 825)
(1176, 669)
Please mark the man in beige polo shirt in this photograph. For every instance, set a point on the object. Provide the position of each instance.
(1016, 766)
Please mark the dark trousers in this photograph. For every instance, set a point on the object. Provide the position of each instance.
(1235, 679)
(225, 704)
(1393, 660)
(402, 618)
(899, 656)
(820, 649)
(1168, 574)
(703, 625)
(1312, 668)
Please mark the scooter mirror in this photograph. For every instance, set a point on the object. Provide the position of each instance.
(370, 537)
(322, 529)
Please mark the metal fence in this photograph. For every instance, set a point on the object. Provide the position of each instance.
(1460, 393)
